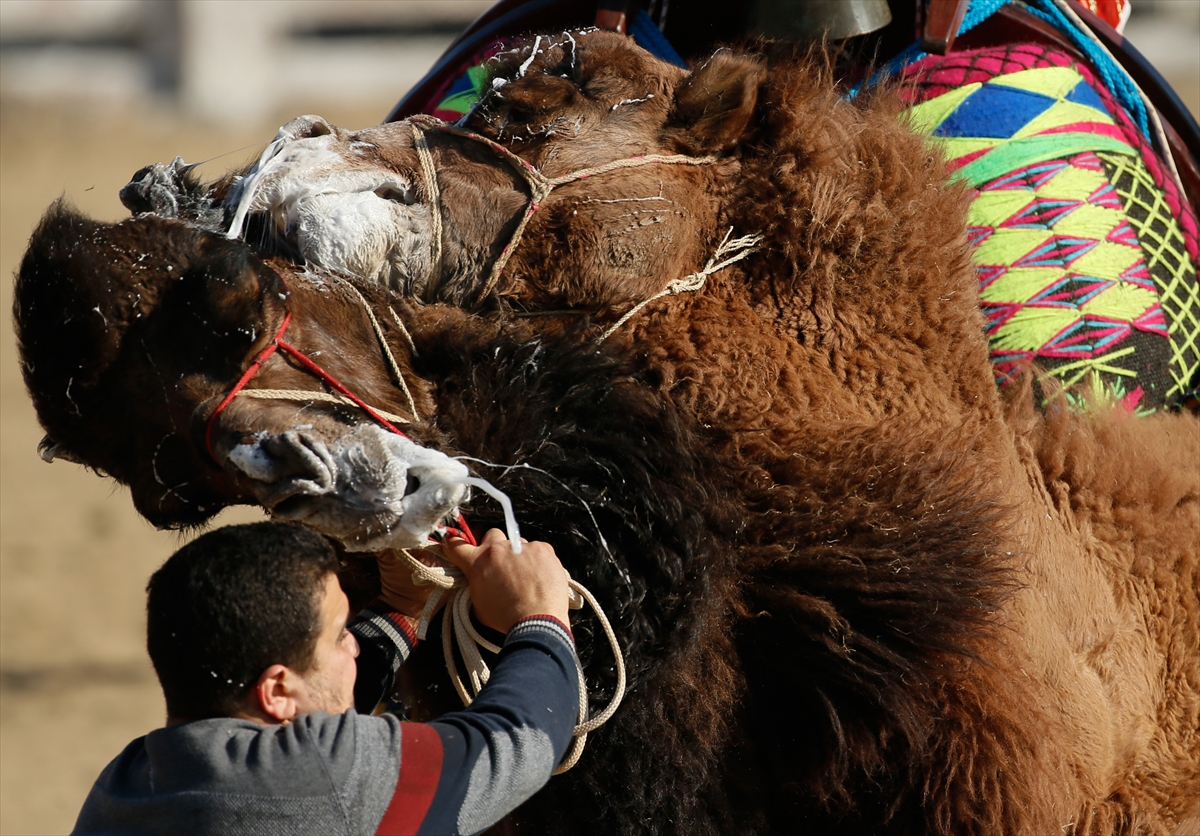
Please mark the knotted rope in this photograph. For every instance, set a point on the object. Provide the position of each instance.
(452, 592)
(539, 184)
(736, 250)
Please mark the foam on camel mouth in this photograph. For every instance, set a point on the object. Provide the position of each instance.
(334, 207)
(369, 489)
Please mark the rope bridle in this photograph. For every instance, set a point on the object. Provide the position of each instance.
(540, 186)
(450, 582)
(344, 394)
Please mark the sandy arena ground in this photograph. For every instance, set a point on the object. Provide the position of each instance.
(75, 683)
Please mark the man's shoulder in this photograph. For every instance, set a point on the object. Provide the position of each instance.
(303, 756)
(309, 756)
(226, 770)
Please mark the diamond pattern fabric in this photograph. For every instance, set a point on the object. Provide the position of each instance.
(1084, 267)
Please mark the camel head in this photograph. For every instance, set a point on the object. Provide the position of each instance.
(436, 212)
(132, 333)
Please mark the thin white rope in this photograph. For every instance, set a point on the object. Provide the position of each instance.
(393, 366)
(736, 250)
(453, 594)
(313, 397)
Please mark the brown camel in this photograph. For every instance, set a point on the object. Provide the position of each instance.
(859, 590)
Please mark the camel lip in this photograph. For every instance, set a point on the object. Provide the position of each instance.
(296, 507)
(365, 487)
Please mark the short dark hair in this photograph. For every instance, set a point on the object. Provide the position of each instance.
(230, 604)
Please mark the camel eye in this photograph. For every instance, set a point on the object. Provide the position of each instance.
(519, 115)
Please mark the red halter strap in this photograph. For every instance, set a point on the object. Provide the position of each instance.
(278, 343)
(251, 370)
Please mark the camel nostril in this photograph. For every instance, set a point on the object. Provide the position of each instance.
(396, 194)
(316, 127)
(413, 485)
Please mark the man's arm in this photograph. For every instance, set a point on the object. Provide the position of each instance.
(465, 771)
(386, 630)
(385, 639)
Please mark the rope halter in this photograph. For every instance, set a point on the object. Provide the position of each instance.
(539, 184)
(343, 394)
(451, 586)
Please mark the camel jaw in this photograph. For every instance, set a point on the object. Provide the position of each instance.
(369, 489)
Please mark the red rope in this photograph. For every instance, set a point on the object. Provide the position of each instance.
(277, 343)
(251, 370)
(335, 384)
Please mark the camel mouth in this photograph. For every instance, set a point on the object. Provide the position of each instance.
(320, 195)
(367, 488)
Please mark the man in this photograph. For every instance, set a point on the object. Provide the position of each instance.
(247, 629)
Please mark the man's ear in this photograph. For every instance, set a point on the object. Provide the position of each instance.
(714, 104)
(275, 693)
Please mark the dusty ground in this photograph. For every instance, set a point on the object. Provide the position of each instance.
(75, 683)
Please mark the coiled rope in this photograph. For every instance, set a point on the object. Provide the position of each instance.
(457, 628)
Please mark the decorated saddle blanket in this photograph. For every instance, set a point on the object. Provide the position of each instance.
(1085, 249)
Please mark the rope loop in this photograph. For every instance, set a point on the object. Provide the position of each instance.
(453, 597)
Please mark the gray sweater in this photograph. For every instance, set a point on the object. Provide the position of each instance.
(351, 773)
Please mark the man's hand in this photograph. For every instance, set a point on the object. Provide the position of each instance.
(397, 588)
(506, 587)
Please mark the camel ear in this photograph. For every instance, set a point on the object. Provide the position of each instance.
(713, 106)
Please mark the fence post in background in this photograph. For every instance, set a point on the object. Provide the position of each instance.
(227, 53)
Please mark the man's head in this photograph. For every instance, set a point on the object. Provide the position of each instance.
(249, 620)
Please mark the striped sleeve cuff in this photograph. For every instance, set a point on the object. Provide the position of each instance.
(543, 624)
(378, 621)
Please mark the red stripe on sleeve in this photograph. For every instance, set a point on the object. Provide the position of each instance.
(420, 769)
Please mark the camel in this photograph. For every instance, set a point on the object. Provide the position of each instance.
(859, 588)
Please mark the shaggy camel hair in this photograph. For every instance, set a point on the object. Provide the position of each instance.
(859, 590)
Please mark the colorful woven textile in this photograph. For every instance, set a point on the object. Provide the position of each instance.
(464, 88)
(1085, 252)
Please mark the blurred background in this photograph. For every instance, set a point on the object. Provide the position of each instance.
(90, 91)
